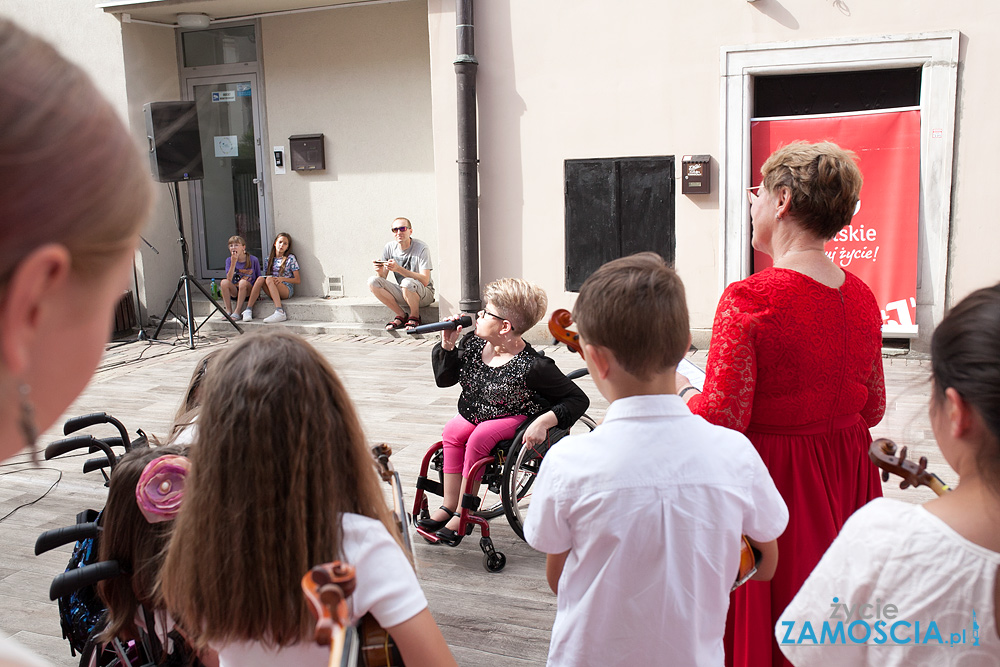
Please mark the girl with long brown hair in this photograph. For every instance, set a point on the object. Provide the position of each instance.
(144, 495)
(274, 492)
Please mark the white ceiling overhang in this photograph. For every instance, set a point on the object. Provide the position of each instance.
(164, 12)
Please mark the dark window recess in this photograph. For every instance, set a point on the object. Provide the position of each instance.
(616, 207)
(836, 92)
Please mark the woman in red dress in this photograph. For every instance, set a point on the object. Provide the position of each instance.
(796, 365)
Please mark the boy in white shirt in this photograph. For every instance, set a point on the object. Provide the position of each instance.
(641, 519)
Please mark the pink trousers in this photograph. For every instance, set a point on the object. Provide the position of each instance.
(465, 443)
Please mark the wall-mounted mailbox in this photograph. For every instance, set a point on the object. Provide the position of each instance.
(696, 174)
(307, 152)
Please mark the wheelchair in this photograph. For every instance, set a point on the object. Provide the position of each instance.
(81, 611)
(508, 472)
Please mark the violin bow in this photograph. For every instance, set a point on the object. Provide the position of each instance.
(387, 471)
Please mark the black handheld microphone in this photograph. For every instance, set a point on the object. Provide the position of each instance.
(463, 321)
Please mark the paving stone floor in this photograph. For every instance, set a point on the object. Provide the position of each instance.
(498, 619)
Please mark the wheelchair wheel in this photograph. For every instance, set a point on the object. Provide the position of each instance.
(522, 465)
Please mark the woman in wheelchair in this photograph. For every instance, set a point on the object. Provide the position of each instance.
(503, 381)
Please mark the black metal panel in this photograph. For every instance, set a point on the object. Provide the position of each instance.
(592, 230)
(616, 207)
(836, 92)
(647, 206)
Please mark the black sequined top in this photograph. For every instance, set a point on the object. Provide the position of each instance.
(527, 384)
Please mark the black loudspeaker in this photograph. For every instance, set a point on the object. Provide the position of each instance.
(174, 141)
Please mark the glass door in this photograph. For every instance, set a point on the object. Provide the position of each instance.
(230, 199)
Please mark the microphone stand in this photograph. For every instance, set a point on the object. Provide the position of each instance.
(142, 335)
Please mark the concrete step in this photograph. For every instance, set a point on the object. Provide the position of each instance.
(355, 316)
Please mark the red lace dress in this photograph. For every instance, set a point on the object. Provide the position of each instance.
(797, 367)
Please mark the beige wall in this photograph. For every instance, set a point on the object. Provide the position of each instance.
(570, 79)
(360, 76)
(83, 34)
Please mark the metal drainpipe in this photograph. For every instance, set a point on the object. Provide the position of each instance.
(468, 160)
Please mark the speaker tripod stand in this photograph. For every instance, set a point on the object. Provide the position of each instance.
(184, 284)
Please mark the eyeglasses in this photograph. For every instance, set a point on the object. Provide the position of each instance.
(399, 229)
(483, 312)
(752, 193)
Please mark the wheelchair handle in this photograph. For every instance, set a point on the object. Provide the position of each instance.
(88, 575)
(90, 465)
(57, 537)
(578, 373)
(60, 447)
(74, 424)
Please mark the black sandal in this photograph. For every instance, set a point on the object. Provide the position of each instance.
(431, 525)
(412, 322)
(397, 323)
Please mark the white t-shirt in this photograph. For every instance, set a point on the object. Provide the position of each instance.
(386, 586)
(893, 553)
(650, 506)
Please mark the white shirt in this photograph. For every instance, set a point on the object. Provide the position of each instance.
(894, 553)
(650, 506)
(386, 586)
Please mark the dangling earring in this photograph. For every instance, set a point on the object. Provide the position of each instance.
(27, 422)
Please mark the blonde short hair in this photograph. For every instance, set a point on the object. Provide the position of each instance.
(521, 303)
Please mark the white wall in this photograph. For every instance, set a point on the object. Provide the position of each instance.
(361, 77)
(587, 78)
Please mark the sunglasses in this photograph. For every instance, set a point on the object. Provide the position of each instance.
(399, 229)
(753, 193)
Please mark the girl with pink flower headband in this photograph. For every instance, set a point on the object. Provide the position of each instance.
(144, 497)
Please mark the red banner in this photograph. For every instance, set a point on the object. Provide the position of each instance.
(880, 244)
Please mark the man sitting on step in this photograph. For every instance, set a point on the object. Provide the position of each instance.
(409, 260)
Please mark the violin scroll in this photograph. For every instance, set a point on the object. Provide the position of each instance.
(559, 328)
(326, 588)
(882, 452)
(381, 452)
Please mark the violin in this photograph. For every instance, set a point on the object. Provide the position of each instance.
(368, 645)
(882, 452)
(559, 324)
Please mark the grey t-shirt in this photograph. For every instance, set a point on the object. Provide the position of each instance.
(416, 258)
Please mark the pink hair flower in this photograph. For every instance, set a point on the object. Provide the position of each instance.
(161, 487)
